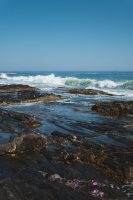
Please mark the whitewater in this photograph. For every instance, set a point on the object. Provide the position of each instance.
(77, 80)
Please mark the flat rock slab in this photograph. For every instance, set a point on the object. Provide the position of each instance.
(24, 144)
(17, 123)
(15, 94)
(15, 88)
(114, 108)
(89, 92)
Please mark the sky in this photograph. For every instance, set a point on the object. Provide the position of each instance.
(66, 35)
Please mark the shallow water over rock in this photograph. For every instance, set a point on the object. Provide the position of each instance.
(63, 145)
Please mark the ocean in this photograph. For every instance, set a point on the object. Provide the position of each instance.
(116, 82)
(72, 114)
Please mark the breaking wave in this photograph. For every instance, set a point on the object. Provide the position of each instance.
(56, 81)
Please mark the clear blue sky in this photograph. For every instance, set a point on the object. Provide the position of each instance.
(66, 34)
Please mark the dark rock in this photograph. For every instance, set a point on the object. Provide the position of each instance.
(114, 108)
(14, 88)
(28, 143)
(17, 189)
(19, 123)
(24, 144)
(15, 94)
(27, 166)
(89, 92)
(114, 162)
(61, 166)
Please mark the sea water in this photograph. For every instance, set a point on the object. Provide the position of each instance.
(72, 114)
(118, 82)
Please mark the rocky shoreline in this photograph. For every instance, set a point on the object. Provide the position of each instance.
(89, 92)
(36, 166)
(114, 108)
(16, 94)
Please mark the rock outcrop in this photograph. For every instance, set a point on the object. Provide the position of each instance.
(36, 166)
(24, 144)
(16, 94)
(18, 123)
(64, 166)
(15, 88)
(89, 92)
(114, 108)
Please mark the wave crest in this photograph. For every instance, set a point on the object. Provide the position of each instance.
(128, 85)
(56, 81)
(3, 76)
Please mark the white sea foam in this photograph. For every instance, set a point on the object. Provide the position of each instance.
(3, 76)
(50, 80)
(104, 84)
(56, 81)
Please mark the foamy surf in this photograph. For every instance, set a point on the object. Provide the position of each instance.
(117, 87)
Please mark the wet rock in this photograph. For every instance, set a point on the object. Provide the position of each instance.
(59, 134)
(28, 143)
(55, 177)
(17, 189)
(14, 122)
(114, 108)
(24, 144)
(69, 137)
(115, 162)
(60, 166)
(15, 94)
(36, 96)
(128, 125)
(89, 92)
(14, 88)
(77, 167)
